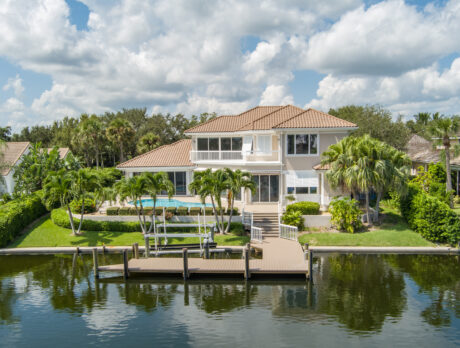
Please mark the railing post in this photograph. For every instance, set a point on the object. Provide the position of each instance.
(95, 263)
(185, 258)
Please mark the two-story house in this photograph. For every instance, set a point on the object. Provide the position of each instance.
(280, 145)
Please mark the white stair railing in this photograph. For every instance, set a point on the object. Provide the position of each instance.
(256, 234)
(288, 232)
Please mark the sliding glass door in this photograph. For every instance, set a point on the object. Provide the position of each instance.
(267, 188)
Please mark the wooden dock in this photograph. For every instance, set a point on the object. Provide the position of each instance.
(279, 256)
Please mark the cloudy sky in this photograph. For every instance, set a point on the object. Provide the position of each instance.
(66, 57)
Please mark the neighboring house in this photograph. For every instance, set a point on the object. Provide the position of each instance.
(12, 156)
(422, 152)
(280, 145)
(63, 152)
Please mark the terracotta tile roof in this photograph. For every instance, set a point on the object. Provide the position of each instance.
(270, 117)
(12, 152)
(312, 118)
(173, 155)
(63, 151)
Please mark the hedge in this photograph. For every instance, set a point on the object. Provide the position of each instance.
(195, 211)
(306, 208)
(429, 216)
(90, 206)
(17, 214)
(182, 211)
(111, 211)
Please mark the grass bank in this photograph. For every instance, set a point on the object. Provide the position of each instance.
(393, 231)
(44, 233)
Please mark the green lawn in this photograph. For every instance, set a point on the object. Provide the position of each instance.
(394, 231)
(45, 233)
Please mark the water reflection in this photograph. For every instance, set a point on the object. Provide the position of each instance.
(359, 293)
(439, 278)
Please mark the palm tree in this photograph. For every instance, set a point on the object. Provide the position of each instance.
(237, 180)
(120, 132)
(134, 188)
(147, 143)
(444, 129)
(59, 186)
(211, 184)
(155, 184)
(84, 181)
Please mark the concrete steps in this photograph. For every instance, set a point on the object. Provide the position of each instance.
(268, 222)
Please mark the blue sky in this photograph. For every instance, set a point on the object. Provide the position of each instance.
(92, 56)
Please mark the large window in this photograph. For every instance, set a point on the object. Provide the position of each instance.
(302, 144)
(220, 144)
(179, 181)
(267, 188)
(264, 144)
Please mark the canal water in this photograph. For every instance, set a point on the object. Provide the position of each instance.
(355, 300)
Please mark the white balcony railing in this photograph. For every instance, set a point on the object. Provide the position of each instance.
(288, 232)
(271, 156)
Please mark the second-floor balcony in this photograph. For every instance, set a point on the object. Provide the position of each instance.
(239, 156)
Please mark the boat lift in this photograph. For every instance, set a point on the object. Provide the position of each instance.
(205, 231)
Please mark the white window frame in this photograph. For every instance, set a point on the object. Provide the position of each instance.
(303, 155)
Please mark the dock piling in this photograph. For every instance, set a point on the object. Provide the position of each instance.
(185, 257)
(247, 274)
(310, 265)
(95, 264)
(136, 250)
(125, 264)
(206, 248)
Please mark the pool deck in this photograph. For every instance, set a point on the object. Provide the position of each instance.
(279, 257)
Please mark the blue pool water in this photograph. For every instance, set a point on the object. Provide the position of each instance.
(164, 202)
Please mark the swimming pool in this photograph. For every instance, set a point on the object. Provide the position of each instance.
(164, 202)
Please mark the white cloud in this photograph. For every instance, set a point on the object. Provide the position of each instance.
(276, 95)
(15, 84)
(387, 38)
(183, 56)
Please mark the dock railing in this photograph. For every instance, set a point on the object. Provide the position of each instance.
(247, 219)
(256, 234)
(288, 232)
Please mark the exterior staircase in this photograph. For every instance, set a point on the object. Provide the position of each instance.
(268, 222)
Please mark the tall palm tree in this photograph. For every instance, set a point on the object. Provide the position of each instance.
(155, 184)
(120, 132)
(147, 143)
(211, 184)
(236, 181)
(60, 186)
(444, 129)
(134, 188)
(91, 133)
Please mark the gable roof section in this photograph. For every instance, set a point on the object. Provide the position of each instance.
(272, 117)
(12, 152)
(312, 118)
(173, 155)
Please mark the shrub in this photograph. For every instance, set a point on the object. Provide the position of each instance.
(208, 211)
(6, 198)
(148, 211)
(171, 210)
(438, 190)
(112, 210)
(293, 218)
(346, 214)
(17, 214)
(182, 211)
(235, 211)
(159, 210)
(457, 200)
(90, 206)
(124, 211)
(306, 208)
(195, 211)
(168, 215)
(434, 219)
(61, 218)
(290, 198)
(133, 211)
